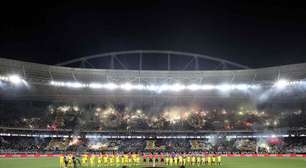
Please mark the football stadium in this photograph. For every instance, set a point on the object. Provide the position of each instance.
(99, 111)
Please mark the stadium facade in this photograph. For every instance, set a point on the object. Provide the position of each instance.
(39, 77)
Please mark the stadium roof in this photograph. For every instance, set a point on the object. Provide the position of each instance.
(39, 77)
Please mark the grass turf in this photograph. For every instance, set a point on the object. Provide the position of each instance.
(243, 162)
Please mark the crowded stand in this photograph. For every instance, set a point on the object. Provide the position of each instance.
(58, 128)
(83, 145)
(93, 117)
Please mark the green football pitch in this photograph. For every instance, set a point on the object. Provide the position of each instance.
(243, 162)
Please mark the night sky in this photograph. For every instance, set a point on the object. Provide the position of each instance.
(256, 35)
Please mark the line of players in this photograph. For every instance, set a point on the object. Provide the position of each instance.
(100, 160)
(134, 159)
(186, 159)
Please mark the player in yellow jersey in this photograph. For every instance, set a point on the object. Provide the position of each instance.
(188, 159)
(62, 161)
(208, 160)
(122, 159)
(129, 159)
(175, 160)
(70, 161)
(126, 159)
(99, 160)
(180, 159)
(203, 160)
(170, 160)
(199, 159)
(105, 160)
(112, 160)
(219, 160)
(213, 160)
(166, 159)
(193, 159)
(117, 160)
(92, 161)
(184, 159)
(138, 159)
(133, 157)
(84, 160)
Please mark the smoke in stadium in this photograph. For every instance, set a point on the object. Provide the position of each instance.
(207, 85)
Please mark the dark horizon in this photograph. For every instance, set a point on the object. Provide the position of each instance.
(257, 35)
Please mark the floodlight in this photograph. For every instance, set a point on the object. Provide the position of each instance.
(255, 86)
(281, 84)
(152, 87)
(127, 86)
(95, 85)
(225, 87)
(208, 87)
(163, 87)
(15, 79)
(74, 84)
(110, 86)
(241, 86)
(76, 108)
(176, 87)
(139, 87)
(193, 87)
(5, 78)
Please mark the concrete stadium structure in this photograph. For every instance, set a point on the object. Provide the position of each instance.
(38, 77)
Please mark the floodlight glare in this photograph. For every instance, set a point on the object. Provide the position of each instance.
(15, 79)
(111, 86)
(281, 84)
(5, 78)
(52, 83)
(127, 86)
(177, 87)
(95, 85)
(208, 87)
(75, 84)
(242, 87)
(193, 87)
(225, 87)
(164, 87)
(152, 88)
(139, 87)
